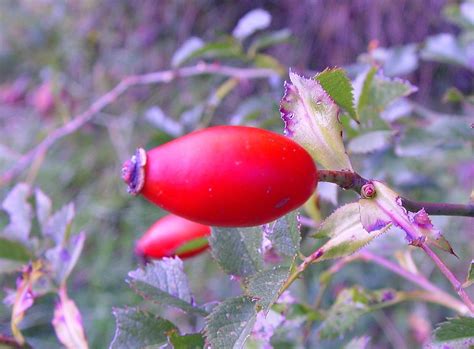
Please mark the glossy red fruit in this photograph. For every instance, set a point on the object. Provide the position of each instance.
(225, 176)
(173, 236)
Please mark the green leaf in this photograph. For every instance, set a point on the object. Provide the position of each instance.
(64, 258)
(285, 234)
(439, 133)
(350, 305)
(460, 328)
(140, 329)
(237, 250)
(345, 232)
(188, 341)
(384, 91)
(399, 60)
(336, 83)
(311, 119)
(453, 95)
(19, 211)
(230, 323)
(268, 39)
(470, 275)
(252, 21)
(370, 142)
(164, 282)
(362, 94)
(265, 285)
(376, 94)
(186, 50)
(13, 250)
(445, 48)
(226, 48)
(59, 224)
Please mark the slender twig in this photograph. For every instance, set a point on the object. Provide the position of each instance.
(10, 342)
(414, 236)
(450, 276)
(439, 208)
(353, 181)
(417, 279)
(151, 78)
(433, 294)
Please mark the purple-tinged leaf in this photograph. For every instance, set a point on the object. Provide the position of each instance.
(387, 207)
(24, 296)
(346, 233)
(67, 322)
(384, 208)
(422, 220)
(64, 258)
(19, 211)
(371, 216)
(311, 119)
(59, 224)
(43, 209)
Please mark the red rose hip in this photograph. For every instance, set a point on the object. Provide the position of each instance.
(173, 236)
(225, 176)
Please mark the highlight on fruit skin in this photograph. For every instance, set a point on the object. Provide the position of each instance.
(228, 176)
(173, 236)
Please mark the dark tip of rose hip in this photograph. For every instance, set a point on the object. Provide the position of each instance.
(133, 171)
(140, 255)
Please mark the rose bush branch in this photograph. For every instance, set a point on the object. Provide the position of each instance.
(420, 242)
(433, 294)
(349, 180)
(353, 181)
(83, 118)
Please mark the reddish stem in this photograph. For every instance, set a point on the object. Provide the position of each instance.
(353, 181)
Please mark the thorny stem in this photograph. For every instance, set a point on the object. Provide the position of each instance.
(450, 276)
(413, 234)
(350, 180)
(417, 279)
(165, 76)
(439, 208)
(344, 179)
(353, 181)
